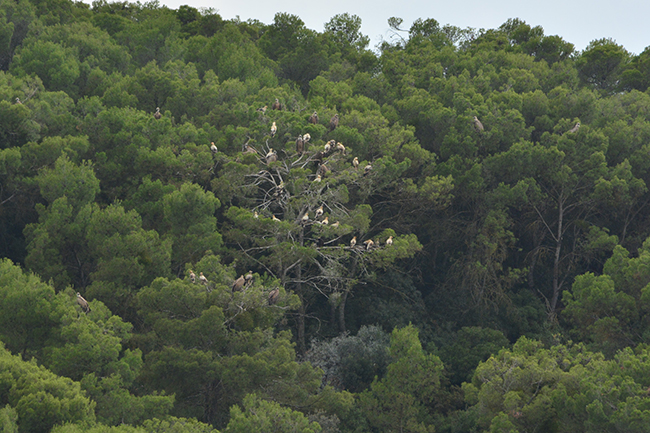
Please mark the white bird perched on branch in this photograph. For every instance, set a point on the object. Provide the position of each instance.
(213, 148)
(274, 129)
(478, 125)
(83, 303)
(319, 211)
(202, 279)
(574, 129)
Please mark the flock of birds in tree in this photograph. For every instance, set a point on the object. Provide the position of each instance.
(271, 156)
(331, 147)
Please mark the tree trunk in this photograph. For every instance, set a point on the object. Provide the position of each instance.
(556, 261)
(344, 297)
(301, 311)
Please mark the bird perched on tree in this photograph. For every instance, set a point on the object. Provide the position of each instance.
(274, 218)
(319, 211)
(313, 118)
(369, 244)
(157, 114)
(249, 278)
(83, 303)
(367, 169)
(318, 178)
(202, 279)
(247, 149)
(355, 163)
(274, 129)
(255, 215)
(574, 129)
(334, 122)
(478, 125)
(262, 109)
(340, 147)
(271, 156)
(192, 276)
(300, 145)
(213, 148)
(335, 225)
(276, 105)
(238, 284)
(18, 101)
(306, 137)
(326, 221)
(305, 218)
(328, 146)
(273, 296)
(353, 242)
(389, 241)
(322, 170)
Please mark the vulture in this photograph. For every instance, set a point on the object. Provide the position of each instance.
(318, 178)
(276, 105)
(192, 276)
(271, 156)
(328, 146)
(238, 284)
(213, 148)
(334, 122)
(18, 101)
(369, 244)
(574, 129)
(202, 279)
(273, 296)
(274, 129)
(255, 215)
(306, 137)
(249, 278)
(83, 303)
(478, 125)
(313, 118)
(335, 225)
(248, 149)
(322, 170)
(367, 169)
(355, 162)
(389, 241)
(157, 114)
(319, 211)
(262, 109)
(300, 145)
(340, 147)
(275, 218)
(353, 242)
(326, 221)
(305, 218)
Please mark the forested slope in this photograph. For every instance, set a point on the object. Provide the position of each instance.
(210, 224)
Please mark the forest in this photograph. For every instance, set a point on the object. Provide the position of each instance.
(222, 225)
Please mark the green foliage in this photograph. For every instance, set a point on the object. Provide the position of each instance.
(261, 415)
(403, 399)
(40, 398)
(563, 388)
(493, 182)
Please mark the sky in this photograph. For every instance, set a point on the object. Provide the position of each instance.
(576, 21)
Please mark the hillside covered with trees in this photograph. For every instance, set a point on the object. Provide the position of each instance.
(211, 225)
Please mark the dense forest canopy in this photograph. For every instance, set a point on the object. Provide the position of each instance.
(215, 224)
